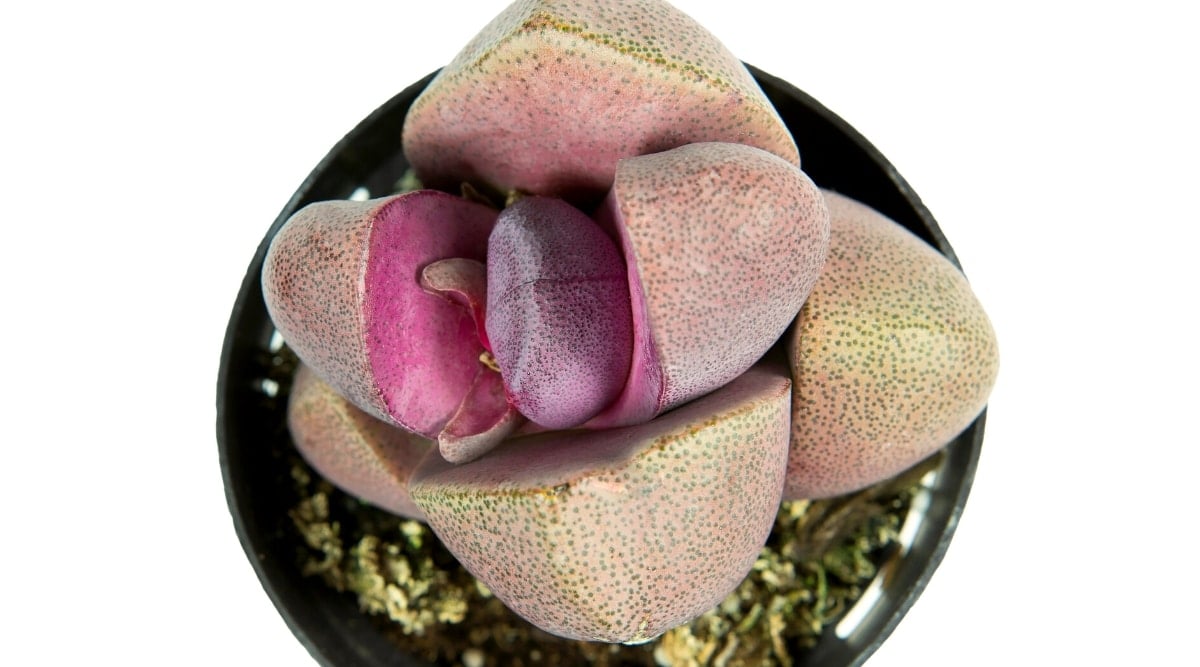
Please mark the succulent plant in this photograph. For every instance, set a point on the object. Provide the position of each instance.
(598, 394)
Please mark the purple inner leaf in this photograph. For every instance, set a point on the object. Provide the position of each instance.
(558, 312)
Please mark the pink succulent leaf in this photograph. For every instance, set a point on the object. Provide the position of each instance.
(365, 457)
(482, 422)
(551, 94)
(925, 356)
(463, 281)
(618, 535)
(341, 282)
(558, 312)
(723, 243)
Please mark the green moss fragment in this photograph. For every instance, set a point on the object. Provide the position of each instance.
(407, 183)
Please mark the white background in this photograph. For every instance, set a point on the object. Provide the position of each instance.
(147, 147)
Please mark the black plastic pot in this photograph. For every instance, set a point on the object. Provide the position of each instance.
(251, 430)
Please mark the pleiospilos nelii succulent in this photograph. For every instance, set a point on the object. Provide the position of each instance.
(577, 391)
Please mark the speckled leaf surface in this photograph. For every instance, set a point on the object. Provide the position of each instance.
(723, 243)
(341, 282)
(358, 453)
(892, 354)
(558, 312)
(620, 535)
(550, 94)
